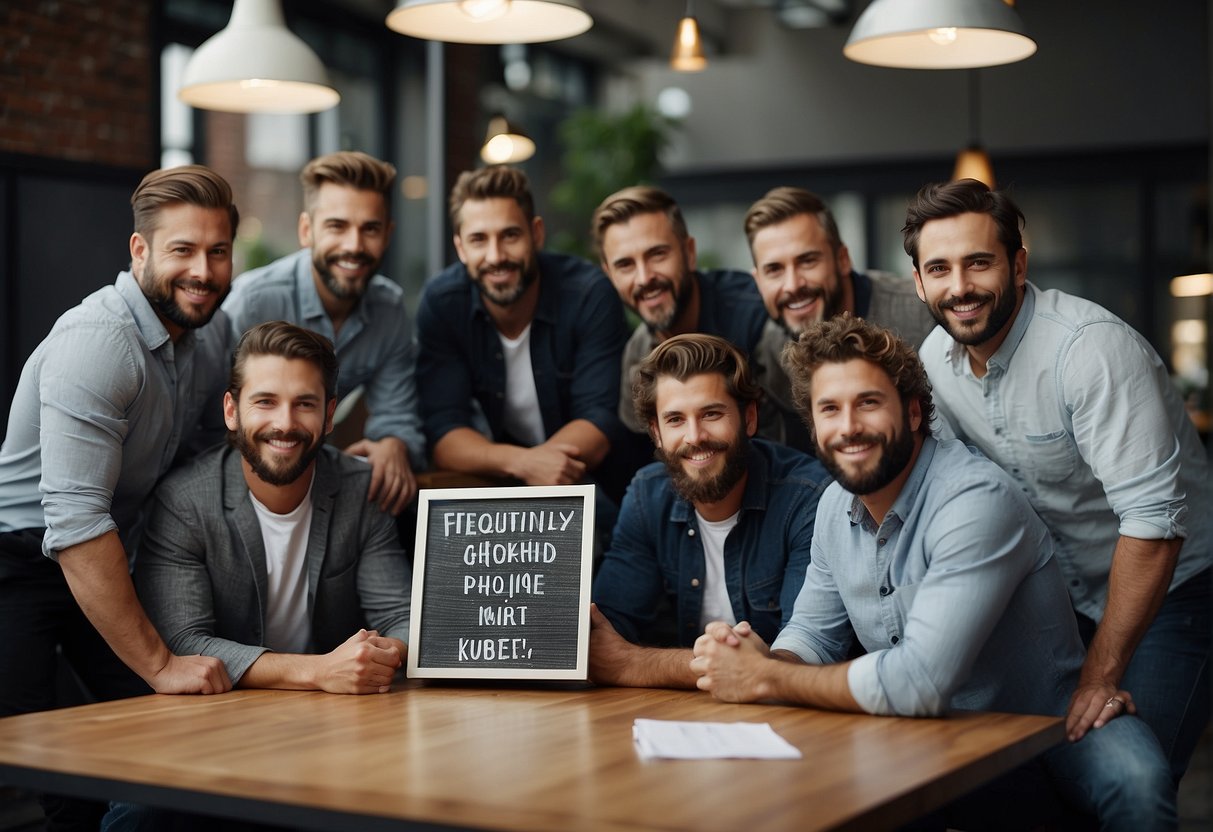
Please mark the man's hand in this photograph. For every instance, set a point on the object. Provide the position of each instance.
(610, 653)
(552, 463)
(1094, 705)
(361, 665)
(191, 674)
(729, 662)
(392, 479)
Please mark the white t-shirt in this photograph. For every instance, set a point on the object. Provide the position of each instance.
(716, 604)
(285, 537)
(522, 419)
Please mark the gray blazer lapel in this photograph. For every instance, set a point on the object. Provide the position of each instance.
(325, 486)
(246, 531)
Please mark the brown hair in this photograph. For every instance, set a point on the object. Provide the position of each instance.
(781, 204)
(964, 196)
(493, 182)
(285, 340)
(351, 168)
(689, 355)
(621, 206)
(189, 185)
(844, 338)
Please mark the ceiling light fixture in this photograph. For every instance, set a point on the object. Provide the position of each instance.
(505, 143)
(973, 162)
(257, 65)
(490, 21)
(939, 34)
(688, 45)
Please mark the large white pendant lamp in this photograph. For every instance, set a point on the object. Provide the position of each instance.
(256, 65)
(490, 21)
(939, 34)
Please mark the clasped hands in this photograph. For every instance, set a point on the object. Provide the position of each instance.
(729, 661)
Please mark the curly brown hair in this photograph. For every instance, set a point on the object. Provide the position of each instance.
(692, 354)
(845, 338)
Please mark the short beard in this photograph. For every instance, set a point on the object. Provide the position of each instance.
(267, 473)
(528, 273)
(831, 305)
(681, 301)
(712, 489)
(895, 456)
(164, 302)
(336, 287)
(1000, 313)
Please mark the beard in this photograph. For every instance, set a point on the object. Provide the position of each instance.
(894, 457)
(344, 291)
(831, 305)
(707, 488)
(160, 295)
(1000, 313)
(682, 297)
(282, 472)
(528, 273)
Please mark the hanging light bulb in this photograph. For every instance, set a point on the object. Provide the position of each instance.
(688, 45)
(505, 143)
(939, 34)
(973, 162)
(257, 65)
(489, 21)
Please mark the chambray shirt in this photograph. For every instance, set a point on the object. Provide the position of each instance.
(577, 336)
(375, 347)
(1079, 410)
(729, 306)
(656, 551)
(103, 407)
(955, 596)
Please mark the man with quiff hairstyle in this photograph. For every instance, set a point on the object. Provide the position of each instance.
(804, 273)
(332, 286)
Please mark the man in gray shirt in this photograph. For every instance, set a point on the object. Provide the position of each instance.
(803, 272)
(331, 286)
(105, 404)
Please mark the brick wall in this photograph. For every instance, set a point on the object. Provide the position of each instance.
(76, 81)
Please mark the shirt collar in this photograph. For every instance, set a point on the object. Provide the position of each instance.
(310, 304)
(909, 492)
(754, 497)
(151, 328)
(958, 356)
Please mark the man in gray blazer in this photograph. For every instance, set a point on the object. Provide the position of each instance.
(265, 553)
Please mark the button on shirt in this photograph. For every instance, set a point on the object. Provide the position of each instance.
(375, 348)
(102, 409)
(656, 552)
(1078, 408)
(955, 595)
(577, 336)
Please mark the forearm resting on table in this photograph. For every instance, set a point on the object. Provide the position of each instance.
(365, 663)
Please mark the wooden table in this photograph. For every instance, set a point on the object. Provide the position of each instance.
(515, 759)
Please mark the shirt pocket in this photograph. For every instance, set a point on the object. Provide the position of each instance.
(1051, 457)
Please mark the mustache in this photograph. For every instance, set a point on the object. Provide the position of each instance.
(359, 257)
(806, 293)
(503, 266)
(857, 439)
(705, 445)
(655, 283)
(196, 285)
(971, 297)
(284, 436)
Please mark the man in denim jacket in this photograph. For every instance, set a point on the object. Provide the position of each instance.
(720, 529)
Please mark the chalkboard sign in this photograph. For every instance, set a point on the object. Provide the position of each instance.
(501, 583)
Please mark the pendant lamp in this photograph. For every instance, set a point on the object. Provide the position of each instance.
(489, 21)
(257, 65)
(505, 143)
(939, 34)
(687, 55)
(973, 162)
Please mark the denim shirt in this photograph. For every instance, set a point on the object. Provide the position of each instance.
(955, 595)
(656, 552)
(577, 337)
(1079, 409)
(103, 408)
(375, 347)
(729, 306)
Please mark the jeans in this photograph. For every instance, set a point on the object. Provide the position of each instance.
(1169, 673)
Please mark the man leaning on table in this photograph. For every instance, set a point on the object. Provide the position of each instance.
(265, 553)
(720, 528)
(932, 558)
(1079, 409)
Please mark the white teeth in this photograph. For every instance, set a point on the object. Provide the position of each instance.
(652, 293)
(800, 304)
(854, 449)
(283, 443)
(966, 307)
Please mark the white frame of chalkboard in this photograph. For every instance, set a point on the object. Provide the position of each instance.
(428, 495)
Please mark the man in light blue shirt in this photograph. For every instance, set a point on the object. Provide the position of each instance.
(1079, 410)
(331, 287)
(115, 393)
(932, 559)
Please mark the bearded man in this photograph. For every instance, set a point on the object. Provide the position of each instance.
(526, 341)
(332, 286)
(719, 530)
(265, 554)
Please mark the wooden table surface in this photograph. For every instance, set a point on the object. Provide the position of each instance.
(505, 758)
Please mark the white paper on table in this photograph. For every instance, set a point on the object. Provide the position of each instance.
(710, 740)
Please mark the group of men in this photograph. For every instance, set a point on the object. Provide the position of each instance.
(813, 490)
